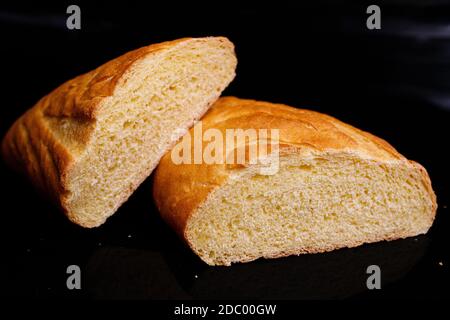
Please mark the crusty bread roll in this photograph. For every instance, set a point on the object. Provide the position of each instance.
(336, 187)
(93, 140)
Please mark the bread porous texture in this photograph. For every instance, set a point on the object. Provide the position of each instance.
(310, 205)
(336, 187)
(92, 141)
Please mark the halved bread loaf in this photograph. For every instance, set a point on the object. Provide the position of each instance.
(336, 187)
(93, 140)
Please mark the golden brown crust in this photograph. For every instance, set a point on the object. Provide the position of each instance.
(81, 96)
(180, 189)
(30, 147)
(37, 146)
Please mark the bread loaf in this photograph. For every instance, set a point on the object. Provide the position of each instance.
(336, 187)
(93, 140)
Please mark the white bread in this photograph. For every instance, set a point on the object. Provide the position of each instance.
(93, 140)
(336, 187)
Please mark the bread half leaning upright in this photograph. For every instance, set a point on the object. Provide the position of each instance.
(336, 186)
(90, 142)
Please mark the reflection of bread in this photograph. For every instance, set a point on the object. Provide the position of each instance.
(336, 187)
(125, 273)
(93, 140)
(333, 275)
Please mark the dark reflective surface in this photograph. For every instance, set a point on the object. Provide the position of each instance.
(119, 272)
(393, 83)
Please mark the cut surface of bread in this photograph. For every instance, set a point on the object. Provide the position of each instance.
(336, 187)
(93, 140)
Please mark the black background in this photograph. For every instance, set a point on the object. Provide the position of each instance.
(393, 82)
